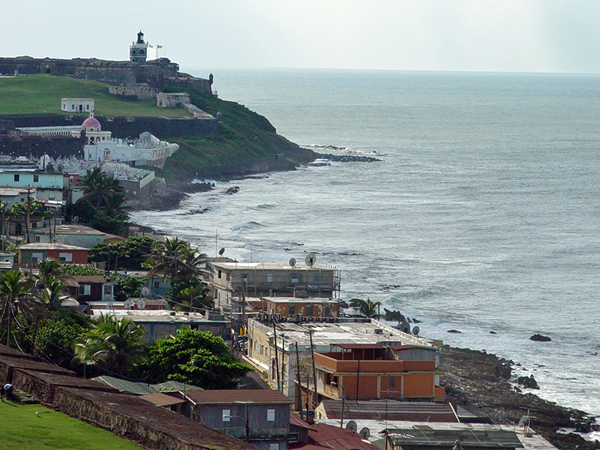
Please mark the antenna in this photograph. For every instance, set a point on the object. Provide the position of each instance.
(292, 262)
(141, 304)
(351, 425)
(416, 331)
(365, 433)
(145, 292)
(311, 259)
(404, 327)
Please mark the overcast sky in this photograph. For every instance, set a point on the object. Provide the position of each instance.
(450, 35)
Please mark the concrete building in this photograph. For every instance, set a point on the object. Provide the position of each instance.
(77, 105)
(160, 324)
(295, 307)
(172, 100)
(48, 186)
(30, 254)
(12, 195)
(90, 288)
(257, 279)
(272, 348)
(70, 234)
(260, 417)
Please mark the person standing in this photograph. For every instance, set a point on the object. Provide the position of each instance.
(8, 388)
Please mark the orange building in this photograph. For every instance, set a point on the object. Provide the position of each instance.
(371, 371)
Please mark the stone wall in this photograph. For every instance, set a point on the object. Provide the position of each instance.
(136, 91)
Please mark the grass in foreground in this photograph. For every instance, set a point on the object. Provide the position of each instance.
(38, 94)
(23, 430)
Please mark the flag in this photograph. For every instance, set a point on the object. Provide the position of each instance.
(159, 46)
(150, 46)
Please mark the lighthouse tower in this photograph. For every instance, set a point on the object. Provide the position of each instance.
(138, 50)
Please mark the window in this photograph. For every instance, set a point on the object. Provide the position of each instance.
(291, 310)
(295, 279)
(65, 257)
(269, 278)
(326, 310)
(37, 257)
(219, 274)
(36, 178)
(17, 177)
(85, 289)
(37, 239)
(226, 415)
(156, 284)
(270, 415)
(309, 310)
(392, 382)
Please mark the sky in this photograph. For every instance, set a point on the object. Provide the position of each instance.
(440, 35)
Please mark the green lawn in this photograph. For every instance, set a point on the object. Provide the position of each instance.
(35, 94)
(23, 430)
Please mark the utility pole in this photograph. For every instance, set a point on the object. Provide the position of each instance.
(312, 354)
(276, 356)
(28, 210)
(300, 382)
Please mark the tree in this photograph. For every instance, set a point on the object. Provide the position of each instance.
(113, 344)
(15, 288)
(367, 308)
(194, 357)
(130, 254)
(169, 258)
(98, 187)
(196, 297)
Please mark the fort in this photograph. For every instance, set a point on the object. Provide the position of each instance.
(138, 71)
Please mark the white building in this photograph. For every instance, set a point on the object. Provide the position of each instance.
(147, 150)
(77, 105)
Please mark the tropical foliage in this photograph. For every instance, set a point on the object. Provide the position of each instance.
(194, 357)
(113, 345)
(366, 308)
(130, 254)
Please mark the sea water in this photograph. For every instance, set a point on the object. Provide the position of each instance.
(483, 215)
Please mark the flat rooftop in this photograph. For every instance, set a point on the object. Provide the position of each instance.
(326, 334)
(300, 300)
(268, 266)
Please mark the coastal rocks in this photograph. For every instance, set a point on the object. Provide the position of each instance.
(528, 382)
(454, 331)
(469, 380)
(540, 338)
(393, 315)
(350, 158)
(232, 190)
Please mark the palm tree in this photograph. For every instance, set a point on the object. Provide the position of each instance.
(197, 297)
(112, 345)
(50, 268)
(169, 258)
(15, 288)
(367, 308)
(98, 187)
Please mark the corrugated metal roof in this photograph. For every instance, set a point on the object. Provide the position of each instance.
(221, 396)
(129, 387)
(174, 386)
(163, 399)
(424, 438)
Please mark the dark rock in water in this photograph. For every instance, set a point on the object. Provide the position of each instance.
(416, 320)
(540, 338)
(454, 331)
(493, 332)
(392, 316)
(232, 190)
(528, 382)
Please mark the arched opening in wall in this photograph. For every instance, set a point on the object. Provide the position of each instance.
(48, 70)
(80, 108)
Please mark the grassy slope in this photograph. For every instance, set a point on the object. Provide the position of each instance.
(245, 138)
(23, 430)
(35, 94)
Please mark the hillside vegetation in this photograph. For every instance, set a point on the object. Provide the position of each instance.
(22, 429)
(38, 94)
(247, 143)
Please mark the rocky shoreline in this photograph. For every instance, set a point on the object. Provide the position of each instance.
(481, 382)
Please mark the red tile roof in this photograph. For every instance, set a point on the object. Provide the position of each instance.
(332, 438)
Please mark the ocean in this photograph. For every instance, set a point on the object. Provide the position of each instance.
(483, 215)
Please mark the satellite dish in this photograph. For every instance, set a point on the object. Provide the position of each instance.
(107, 297)
(141, 304)
(351, 425)
(128, 304)
(222, 251)
(404, 327)
(145, 292)
(365, 433)
(311, 259)
(292, 262)
(416, 331)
